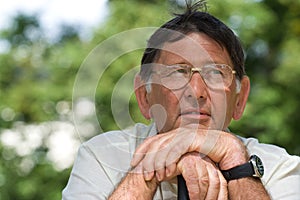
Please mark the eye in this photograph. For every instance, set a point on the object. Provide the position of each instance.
(214, 72)
(181, 71)
(176, 70)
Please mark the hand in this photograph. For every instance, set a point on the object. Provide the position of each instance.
(159, 154)
(203, 179)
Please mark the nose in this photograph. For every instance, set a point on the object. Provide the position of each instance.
(196, 87)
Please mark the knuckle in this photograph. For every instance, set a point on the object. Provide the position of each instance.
(204, 181)
(147, 166)
(159, 165)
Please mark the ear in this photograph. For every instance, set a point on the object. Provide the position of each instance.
(242, 98)
(141, 96)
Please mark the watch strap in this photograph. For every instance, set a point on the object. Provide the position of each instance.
(241, 171)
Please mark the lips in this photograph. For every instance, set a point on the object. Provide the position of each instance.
(198, 115)
(194, 112)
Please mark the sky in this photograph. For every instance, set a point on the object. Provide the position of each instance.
(87, 13)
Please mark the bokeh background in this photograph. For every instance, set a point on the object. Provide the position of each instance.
(38, 137)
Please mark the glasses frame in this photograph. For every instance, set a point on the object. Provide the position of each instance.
(199, 70)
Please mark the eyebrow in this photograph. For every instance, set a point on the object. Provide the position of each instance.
(179, 64)
(190, 65)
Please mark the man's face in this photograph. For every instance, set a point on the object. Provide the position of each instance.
(195, 103)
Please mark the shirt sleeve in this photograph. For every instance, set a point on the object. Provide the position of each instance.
(282, 171)
(284, 183)
(88, 180)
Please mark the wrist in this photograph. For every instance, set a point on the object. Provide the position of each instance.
(253, 168)
(134, 186)
(138, 184)
(252, 189)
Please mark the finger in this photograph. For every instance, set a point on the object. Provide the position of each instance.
(203, 179)
(160, 163)
(195, 173)
(148, 174)
(162, 150)
(140, 152)
(214, 182)
(163, 158)
(171, 170)
(223, 194)
(178, 147)
(154, 159)
(190, 174)
(148, 162)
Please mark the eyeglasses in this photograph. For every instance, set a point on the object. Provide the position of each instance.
(215, 76)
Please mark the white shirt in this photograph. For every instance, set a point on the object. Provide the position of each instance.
(104, 160)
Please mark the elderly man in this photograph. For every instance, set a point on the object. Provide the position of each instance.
(192, 83)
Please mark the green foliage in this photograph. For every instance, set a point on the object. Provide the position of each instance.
(37, 79)
(138, 14)
(273, 67)
(20, 181)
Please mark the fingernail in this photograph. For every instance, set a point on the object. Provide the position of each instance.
(147, 176)
(158, 177)
(168, 172)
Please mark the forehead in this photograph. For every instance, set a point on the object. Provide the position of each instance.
(194, 49)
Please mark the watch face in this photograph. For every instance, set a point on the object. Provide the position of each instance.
(258, 165)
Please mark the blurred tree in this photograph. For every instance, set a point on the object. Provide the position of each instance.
(24, 30)
(137, 14)
(35, 76)
(271, 43)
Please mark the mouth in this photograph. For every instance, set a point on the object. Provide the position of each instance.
(195, 114)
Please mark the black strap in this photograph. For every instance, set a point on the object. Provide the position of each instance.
(183, 193)
(245, 170)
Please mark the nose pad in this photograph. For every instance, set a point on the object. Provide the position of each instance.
(197, 87)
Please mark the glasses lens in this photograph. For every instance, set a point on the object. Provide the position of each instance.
(216, 76)
(175, 76)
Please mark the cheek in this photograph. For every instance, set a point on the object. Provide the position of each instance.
(219, 101)
(231, 104)
(164, 108)
(231, 100)
(224, 99)
(164, 97)
(223, 104)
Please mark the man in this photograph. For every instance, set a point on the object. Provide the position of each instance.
(192, 83)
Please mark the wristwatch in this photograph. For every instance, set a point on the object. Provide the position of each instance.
(253, 168)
